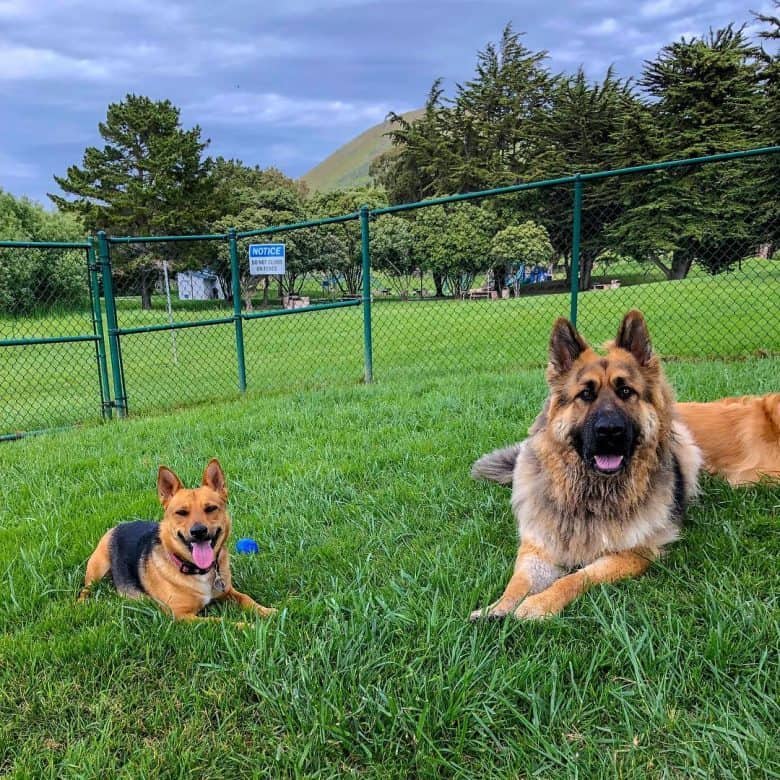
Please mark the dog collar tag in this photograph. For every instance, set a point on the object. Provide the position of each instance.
(219, 583)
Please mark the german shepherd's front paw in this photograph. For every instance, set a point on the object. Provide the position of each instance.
(497, 611)
(536, 608)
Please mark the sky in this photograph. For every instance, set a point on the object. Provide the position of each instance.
(286, 82)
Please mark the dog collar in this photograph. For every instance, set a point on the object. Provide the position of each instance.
(185, 567)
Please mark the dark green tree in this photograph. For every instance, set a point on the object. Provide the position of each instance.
(417, 164)
(482, 137)
(706, 93)
(34, 279)
(495, 119)
(236, 185)
(279, 205)
(583, 132)
(150, 177)
(346, 266)
(394, 251)
(706, 97)
(454, 243)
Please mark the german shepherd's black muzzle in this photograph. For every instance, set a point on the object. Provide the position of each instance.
(608, 440)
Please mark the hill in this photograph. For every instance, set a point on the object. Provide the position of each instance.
(348, 165)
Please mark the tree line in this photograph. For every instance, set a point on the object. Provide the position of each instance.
(513, 121)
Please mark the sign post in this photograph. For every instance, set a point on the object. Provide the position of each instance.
(266, 259)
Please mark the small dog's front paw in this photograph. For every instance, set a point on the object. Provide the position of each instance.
(265, 611)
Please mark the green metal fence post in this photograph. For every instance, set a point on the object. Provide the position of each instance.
(117, 372)
(97, 326)
(368, 347)
(576, 229)
(235, 280)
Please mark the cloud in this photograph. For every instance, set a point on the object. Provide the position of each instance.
(270, 108)
(258, 47)
(654, 9)
(14, 9)
(606, 26)
(306, 7)
(134, 59)
(646, 50)
(27, 62)
(16, 169)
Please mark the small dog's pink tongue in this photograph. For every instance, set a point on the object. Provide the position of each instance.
(202, 554)
(606, 462)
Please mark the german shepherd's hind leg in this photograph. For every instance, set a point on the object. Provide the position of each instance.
(247, 602)
(608, 568)
(534, 571)
(98, 565)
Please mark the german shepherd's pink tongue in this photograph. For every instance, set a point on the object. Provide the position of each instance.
(202, 554)
(604, 462)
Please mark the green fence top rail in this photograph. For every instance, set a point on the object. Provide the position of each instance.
(32, 341)
(298, 225)
(171, 326)
(227, 320)
(158, 239)
(44, 245)
(532, 185)
(659, 166)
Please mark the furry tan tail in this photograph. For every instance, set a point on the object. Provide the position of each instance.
(499, 465)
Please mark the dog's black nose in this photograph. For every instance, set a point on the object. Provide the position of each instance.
(199, 531)
(609, 425)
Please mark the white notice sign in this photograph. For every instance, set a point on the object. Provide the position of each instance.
(266, 259)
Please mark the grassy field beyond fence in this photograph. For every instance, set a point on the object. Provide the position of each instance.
(730, 316)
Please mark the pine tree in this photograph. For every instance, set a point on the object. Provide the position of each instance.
(149, 178)
(584, 131)
(417, 166)
(495, 116)
(706, 94)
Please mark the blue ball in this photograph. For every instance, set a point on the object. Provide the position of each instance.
(247, 546)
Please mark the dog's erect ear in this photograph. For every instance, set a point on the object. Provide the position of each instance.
(566, 345)
(168, 484)
(634, 337)
(214, 478)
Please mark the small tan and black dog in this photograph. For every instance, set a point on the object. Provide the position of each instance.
(600, 485)
(739, 437)
(181, 562)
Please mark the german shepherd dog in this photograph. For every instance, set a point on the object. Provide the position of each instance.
(181, 562)
(739, 437)
(600, 485)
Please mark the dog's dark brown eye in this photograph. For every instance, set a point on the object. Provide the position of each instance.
(624, 392)
(210, 509)
(182, 512)
(587, 395)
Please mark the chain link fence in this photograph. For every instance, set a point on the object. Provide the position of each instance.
(52, 358)
(696, 248)
(455, 285)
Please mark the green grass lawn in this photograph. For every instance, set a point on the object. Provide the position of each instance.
(734, 316)
(375, 545)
